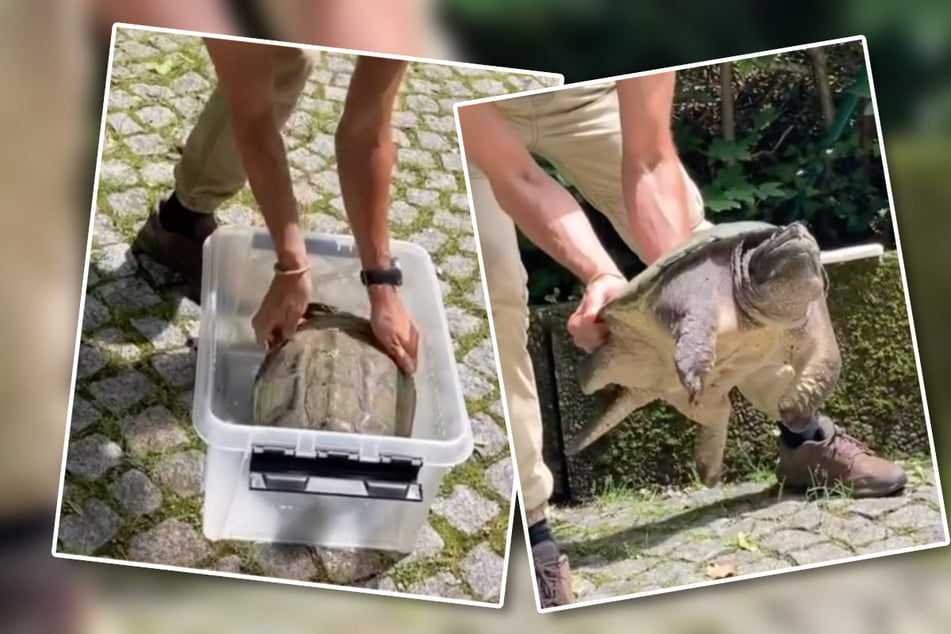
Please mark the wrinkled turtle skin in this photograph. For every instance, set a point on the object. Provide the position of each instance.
(741, 304)
(333, 375)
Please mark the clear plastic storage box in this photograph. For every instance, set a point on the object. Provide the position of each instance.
(319, 488)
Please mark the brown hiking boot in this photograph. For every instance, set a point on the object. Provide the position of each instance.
(181, 254)
(552, 575)
(838, 459)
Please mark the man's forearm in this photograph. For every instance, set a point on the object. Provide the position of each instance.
(545, 211)
(366, 156)
(552, 219)
(365, 168)
(655, 195)
(263, 155)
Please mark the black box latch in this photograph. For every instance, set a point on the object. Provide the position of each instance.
(333, 472)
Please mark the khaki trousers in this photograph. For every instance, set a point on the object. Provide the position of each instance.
(209, 171)
(578, 131)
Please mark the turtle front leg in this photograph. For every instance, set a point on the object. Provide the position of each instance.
(695, 339)
(819, 362)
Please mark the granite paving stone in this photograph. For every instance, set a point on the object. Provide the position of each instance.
(114, 260)
(89, 362)
(428, 545)
(422, 197)
(128, 294)
(172, 543)
(95, 314)
(482, 358)
(231, 563)
(429, 238)
(489, 437)
(442, 584)
(117, 173)
(346, 566)
(161, 334)
(154, 430)
(93, 456)
(117, 345)
(500, 477)
(146, 144)
(182, 472)
(104, 231)
(122, 391)
(83, 533)
(459, 266)
(631, 542)
(158, 174)
(137, 494)
(482, 569)
(466, 509)
(176, 367)
(455, 221)
(84, 414)
(289, 561)
(123, 124)
(156, 116)
(475, 383)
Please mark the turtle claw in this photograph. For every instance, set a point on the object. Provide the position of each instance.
(693, 383)
(695, 395)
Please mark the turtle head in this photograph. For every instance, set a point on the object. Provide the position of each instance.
(777, 279)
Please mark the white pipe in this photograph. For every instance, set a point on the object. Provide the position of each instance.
(847, 254)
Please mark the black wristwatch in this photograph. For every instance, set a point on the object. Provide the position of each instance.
(391, 275)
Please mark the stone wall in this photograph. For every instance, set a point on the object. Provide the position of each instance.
(878, 398)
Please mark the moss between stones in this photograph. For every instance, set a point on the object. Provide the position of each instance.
(878, 398)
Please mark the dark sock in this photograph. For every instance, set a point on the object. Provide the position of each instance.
(539, 532)
(793, 439)
(177, 218)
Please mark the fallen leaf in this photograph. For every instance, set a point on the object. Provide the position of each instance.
(721, 570)
(162, 68)
(744, 542)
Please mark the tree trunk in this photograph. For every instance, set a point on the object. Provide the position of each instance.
(727, 114)
(820, 68)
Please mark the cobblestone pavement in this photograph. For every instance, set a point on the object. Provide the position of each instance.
(135, 465)
(628, 543)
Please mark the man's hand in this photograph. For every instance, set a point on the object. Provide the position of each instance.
(584, 326)
(245, 75)
(393, 327)
(282, 308)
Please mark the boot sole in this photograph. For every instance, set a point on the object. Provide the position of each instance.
(855, 493)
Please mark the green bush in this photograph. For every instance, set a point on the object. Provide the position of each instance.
(787, 160)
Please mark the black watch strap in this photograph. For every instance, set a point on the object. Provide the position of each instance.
(391, 275)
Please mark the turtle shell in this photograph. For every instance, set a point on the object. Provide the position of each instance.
(642, 285)
(333, 375)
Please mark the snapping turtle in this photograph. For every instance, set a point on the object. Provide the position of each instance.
(741, 304)
(333, 375)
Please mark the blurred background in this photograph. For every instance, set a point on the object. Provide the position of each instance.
(53, 63)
